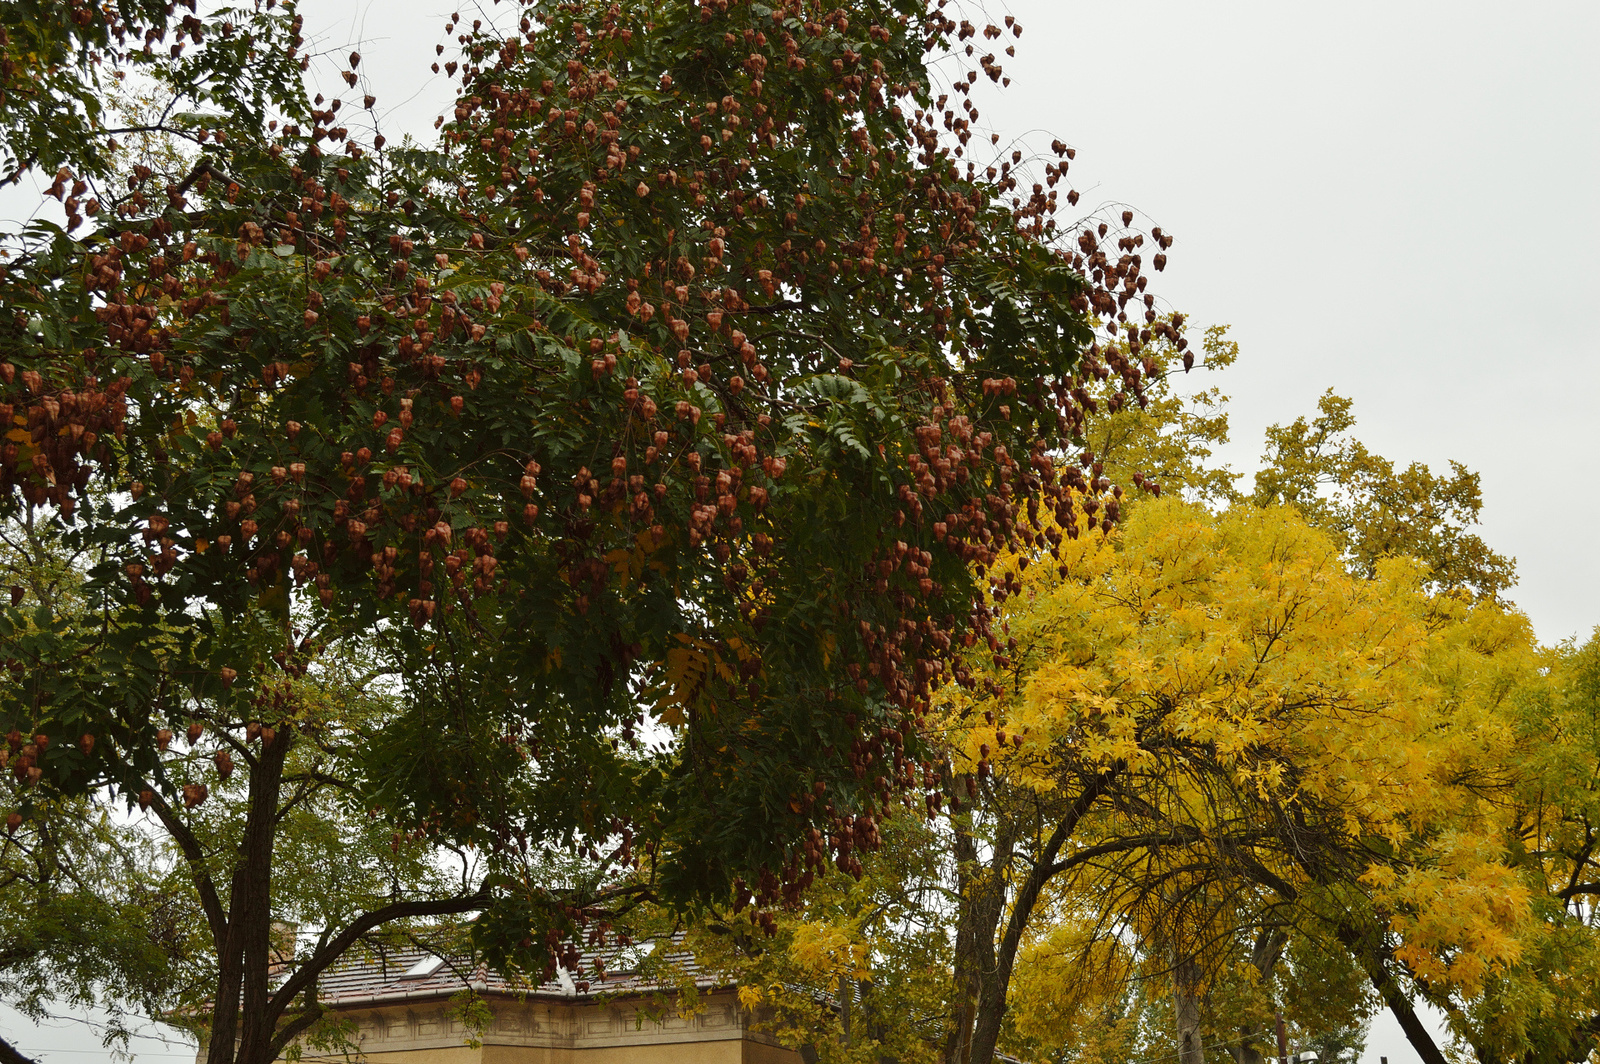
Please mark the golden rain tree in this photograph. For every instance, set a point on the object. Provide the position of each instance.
(685, 377)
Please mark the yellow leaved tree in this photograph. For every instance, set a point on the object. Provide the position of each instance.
(1220, 730)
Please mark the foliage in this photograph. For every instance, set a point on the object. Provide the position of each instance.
(62, 66)
(1259, 770)
(1229, 732)
(84, 916)
(1342, 1046)
(1533, 772)
(688, 371)
(86, 904)
(861, 973)
(1375, 512)
(1168, 441)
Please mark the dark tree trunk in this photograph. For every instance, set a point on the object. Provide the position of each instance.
(9, 1054)
(252, 928)
(993, 993)
(1374, 961)
(983, 897)
(242, 1025)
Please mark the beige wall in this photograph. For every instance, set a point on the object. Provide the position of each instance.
(681, 1053)
(552, 1032)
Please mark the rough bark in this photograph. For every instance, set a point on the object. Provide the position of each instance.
(982, 891)
(253, 883)
(1186, 1009)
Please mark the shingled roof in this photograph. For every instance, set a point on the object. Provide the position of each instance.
(414, 974)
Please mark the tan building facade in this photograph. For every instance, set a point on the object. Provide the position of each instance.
(545, 1032)
(399, 1017)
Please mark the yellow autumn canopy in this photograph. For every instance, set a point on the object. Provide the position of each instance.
(1238, 647)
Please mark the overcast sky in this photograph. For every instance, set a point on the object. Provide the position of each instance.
(1396, 200)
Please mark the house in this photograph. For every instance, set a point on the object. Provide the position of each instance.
(400, 1011)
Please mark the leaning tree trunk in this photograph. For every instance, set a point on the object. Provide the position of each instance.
(1366, 946)
(997, 985)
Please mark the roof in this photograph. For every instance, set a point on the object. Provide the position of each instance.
(404, 975)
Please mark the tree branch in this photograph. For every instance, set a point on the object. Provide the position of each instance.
(210, 901)
(1118, 846)
(295, 1027)
(307, 973)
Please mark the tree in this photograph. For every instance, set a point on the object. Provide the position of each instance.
(1530, 775)
(1375, 512)
(82, 917)
(688, 371)
(1165, 686)
(86, 916)
(1199, 795)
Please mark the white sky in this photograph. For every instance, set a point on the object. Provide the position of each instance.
(1396, 200)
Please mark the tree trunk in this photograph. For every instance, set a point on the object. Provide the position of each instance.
(241, 1024)
(9, 1054)
(983, 896)
(254, 931)
(1366, 946)
(1186, 1010)
(1373, 961)
(993, 993)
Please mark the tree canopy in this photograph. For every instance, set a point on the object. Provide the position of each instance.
(692, 378)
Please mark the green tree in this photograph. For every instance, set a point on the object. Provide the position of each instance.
(63, 65)
(1374, 511)
(83, 917)
(83, 898)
